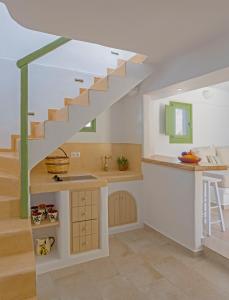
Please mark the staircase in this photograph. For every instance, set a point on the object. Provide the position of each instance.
(17, 263)
(77, 112)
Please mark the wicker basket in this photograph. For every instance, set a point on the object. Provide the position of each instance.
(58, 164)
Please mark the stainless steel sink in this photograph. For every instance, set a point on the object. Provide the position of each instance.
(74, 178)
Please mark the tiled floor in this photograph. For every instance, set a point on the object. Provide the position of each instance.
(219, 241)
(142, 266)
(216, 228)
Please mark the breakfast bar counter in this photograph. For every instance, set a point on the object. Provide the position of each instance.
(172, 193)
(175, 163)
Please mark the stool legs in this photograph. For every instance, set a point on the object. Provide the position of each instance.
(220, 213)
(208, 210)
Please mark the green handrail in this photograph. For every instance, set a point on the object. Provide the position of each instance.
(24, 161)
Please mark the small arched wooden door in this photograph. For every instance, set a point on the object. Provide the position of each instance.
(122, 208)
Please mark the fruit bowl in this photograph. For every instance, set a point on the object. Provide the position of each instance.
(188, 159)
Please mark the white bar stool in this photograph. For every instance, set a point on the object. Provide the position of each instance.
(207, 183)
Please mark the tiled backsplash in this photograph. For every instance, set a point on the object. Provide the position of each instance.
(91, 155)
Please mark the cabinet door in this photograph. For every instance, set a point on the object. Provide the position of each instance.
(122, 208)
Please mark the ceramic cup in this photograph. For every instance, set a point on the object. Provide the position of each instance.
(33, 209)
(49, 207)
(53, 215)
(36, 217)
(42, 210)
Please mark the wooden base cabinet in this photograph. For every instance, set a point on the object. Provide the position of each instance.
(122, 209)
(85, 220)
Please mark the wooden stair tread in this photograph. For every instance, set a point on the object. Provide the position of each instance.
(13, 225)
(4, 198)
(5, 175)
(13, 155)
(17, 264)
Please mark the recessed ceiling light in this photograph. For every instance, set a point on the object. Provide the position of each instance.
(179, 90)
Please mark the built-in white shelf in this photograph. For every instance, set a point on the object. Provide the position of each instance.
(46, 259)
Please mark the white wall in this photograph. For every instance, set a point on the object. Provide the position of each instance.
(122, 123)
(210, 121)
(172, 203)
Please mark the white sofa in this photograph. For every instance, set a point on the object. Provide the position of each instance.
(217, 155)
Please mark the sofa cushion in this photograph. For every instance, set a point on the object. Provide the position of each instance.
(223, 154)
(204, 152)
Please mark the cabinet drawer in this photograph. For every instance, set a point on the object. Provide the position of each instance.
(85, 243)
(85, 228)
(81, 213)
(85, 198)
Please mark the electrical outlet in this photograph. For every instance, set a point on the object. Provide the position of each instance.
(75, 154)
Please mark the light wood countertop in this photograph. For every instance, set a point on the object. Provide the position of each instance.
(43, 182)
(175, 163)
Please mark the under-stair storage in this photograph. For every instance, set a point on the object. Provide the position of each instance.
(85, 220)
(46, 234)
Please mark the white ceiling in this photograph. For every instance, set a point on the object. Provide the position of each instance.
(18, 41)
(161, 29)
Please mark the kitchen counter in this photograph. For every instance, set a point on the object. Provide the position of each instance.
(43, 182)
(175, 163)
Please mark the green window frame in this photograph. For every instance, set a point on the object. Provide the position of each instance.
(170, 126)
(90, 128)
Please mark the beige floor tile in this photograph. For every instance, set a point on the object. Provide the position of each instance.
(164, 290)
(119, 288)
(142, 266)
(118, 248)
(188, 280)
(100, 269)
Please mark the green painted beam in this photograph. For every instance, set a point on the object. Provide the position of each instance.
(24, 144)
(42, 51)
(24, 161)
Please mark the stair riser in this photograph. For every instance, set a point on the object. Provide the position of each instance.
(15, 243)
(37, 129)
(9, 187)
(18, 286)
(82, 100)
(58, 115)
(100, 85)
(9, 209)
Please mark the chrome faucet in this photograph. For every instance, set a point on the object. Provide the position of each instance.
(105, 162)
